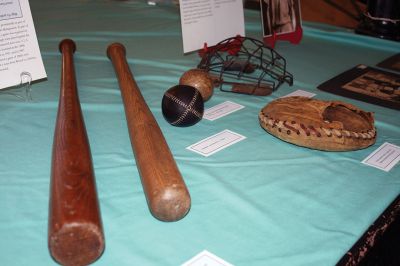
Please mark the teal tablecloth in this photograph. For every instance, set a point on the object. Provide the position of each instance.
(259, 202)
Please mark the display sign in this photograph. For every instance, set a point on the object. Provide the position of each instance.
(207, 22)
(19, 48)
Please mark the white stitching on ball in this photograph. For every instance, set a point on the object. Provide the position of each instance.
(188, 108)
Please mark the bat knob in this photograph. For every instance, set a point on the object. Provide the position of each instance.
(170, 204)
(67, 43)
(77, 244)
(116, 47)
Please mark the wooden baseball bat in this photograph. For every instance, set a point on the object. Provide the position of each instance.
(166, 193)
(75, 233)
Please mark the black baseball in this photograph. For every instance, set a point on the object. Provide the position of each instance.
(182, 106)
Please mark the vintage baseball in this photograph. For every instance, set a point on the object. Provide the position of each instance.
(182, 105)
(317, 124)
(201, 80)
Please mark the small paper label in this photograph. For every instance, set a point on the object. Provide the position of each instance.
(215, 143)
(384, 158)
(221, 110)
(300, 93)
(206, 258)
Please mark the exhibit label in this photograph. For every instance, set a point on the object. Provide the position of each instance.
(19, 48)
(209, 22)
(215, 143)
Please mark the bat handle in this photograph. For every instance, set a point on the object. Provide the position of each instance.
(67, 46)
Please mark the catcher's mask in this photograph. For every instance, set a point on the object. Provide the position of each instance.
(245, 65)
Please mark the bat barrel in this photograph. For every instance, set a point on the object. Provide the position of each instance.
(75, 233)
(166, 193)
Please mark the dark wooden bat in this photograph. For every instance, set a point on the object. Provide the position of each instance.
(75, 233)
(163, 185)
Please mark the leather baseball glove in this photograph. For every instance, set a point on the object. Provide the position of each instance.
(317, 124)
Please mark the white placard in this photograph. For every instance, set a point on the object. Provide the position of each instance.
(215, 143)
(300, 93)
(19, 48)
(221, 110)
(206, 258)
(210, 21)
(384, 158)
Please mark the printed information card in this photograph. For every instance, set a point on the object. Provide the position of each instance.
(206, 258)
(19, 49)
(384, 158)
(221, 110)
(210, 21)
(215, 143)
(300, 93)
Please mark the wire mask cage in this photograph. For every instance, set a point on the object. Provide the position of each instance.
(245, 65)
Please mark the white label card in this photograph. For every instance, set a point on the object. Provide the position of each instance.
(209, 22)
(215, 143)
(221, 110)
(300, 93)
(384, 158)
(19, 48)
(206, 258)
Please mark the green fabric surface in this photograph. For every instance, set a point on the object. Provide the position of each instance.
(259, 202)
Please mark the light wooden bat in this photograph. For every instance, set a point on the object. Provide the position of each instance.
(167, 195)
